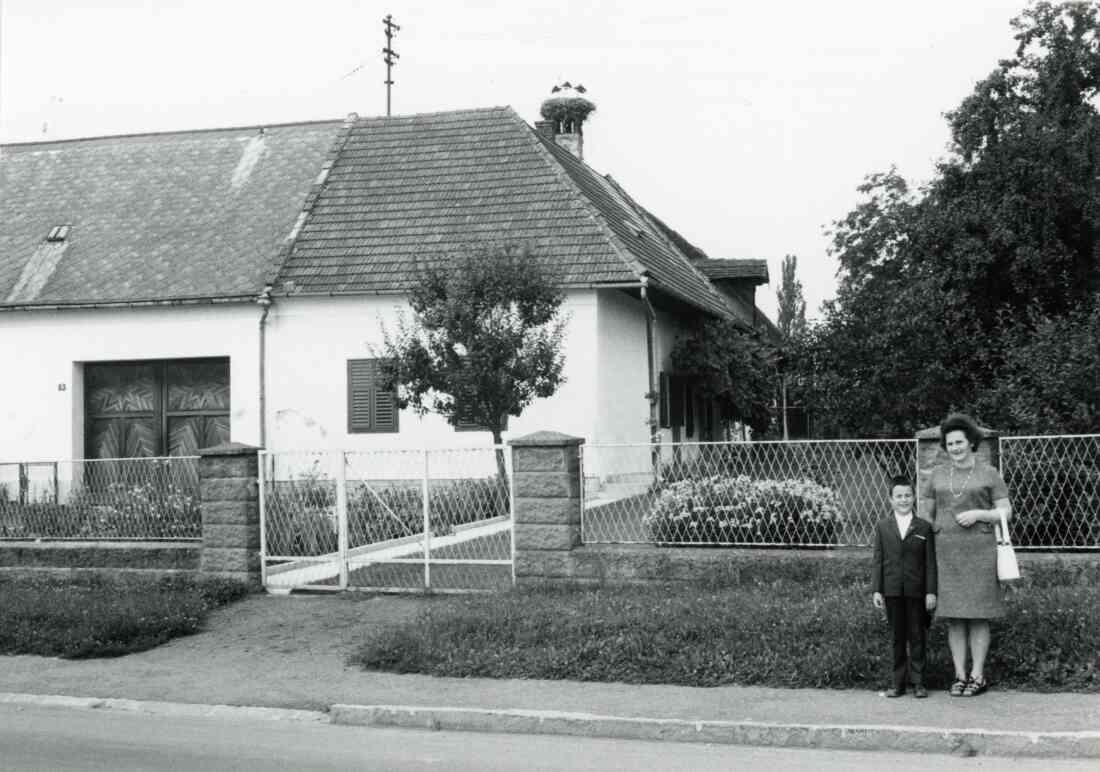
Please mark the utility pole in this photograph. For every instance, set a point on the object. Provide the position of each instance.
(390, 56)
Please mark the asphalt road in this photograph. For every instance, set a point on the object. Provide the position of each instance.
(33, 738)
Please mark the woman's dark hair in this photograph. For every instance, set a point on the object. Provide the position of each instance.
(960, 422)
(901, 479)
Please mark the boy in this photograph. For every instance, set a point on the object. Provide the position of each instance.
(903, 581)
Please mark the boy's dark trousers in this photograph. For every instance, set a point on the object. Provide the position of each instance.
(908, 620)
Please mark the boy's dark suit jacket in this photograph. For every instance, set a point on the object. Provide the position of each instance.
(904, 567)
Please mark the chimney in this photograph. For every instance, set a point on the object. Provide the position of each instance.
(564, 113)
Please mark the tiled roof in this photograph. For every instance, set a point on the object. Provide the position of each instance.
(417, 188)
(187, 215)
(736, 269)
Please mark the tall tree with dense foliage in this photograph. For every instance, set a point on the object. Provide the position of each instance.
(942, 288)
(485, 339)
(731, 366)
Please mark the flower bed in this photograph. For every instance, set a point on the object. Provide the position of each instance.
(742, 510)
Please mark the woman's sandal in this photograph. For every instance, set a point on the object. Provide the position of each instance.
(958, 689)
(975, 686)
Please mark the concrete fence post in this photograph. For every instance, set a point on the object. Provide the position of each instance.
(228, 479)
(547, 471)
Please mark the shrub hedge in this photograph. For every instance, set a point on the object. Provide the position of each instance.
(102, 615)
(743, 510)
(806, 628)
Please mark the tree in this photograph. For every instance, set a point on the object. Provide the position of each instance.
(485, 339)
(792, 305)
(792, 325)
(942, 288)
(733, 367)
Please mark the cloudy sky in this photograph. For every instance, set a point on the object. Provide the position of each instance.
(745, 126)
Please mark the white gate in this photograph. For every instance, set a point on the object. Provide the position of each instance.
(387, 520)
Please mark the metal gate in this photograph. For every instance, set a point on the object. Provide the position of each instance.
(435, 520)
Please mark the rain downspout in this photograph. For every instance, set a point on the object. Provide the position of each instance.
(651, 365)
(264, 302)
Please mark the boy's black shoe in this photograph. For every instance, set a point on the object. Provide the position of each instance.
(897, 691)
(920, 692)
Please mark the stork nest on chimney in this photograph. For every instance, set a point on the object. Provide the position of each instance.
(566, 108)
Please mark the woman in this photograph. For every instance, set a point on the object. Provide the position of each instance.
(964, 499)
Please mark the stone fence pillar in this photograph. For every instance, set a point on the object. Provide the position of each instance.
(547, 471)
(929, 452)
(228, 479)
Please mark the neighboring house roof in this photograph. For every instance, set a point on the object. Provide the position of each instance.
(754, 269)
(417, 188)
(155, 217)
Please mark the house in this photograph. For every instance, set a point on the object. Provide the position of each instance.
(164, 292)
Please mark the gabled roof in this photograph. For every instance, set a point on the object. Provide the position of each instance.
(156, 217)
(753, 269)
(418, 188)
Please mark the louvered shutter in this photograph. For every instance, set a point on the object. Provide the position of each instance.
(663, 416)
(370, 408)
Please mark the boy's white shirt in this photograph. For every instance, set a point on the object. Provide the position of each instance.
(903, 521)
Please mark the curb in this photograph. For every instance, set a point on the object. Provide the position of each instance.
(841, 737)
(181, 709)
(920, 739)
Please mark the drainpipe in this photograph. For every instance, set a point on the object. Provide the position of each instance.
(651, 364)
(264, 302)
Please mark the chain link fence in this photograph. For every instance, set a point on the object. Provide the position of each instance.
(388, 519)
(1054, 485)
(104, 499)
(818, 493)
(808, 493)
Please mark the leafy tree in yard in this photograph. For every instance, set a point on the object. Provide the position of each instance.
(733, 367)
(485, 339)
(946, 292)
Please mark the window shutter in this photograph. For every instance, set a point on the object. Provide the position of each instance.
(664, 414)
(370, 408)
(676, 407)
(689, 408)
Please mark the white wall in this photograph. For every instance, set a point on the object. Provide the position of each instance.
(42, 353)
(622, 410)
(311, 339)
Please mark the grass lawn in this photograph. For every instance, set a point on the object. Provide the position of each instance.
(104, 616)
(797, 632)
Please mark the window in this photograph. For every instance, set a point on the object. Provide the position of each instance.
(370, 407)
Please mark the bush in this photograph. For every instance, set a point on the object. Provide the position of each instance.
(804, 633)
(104, 616)
(741, 510)
(114, 511)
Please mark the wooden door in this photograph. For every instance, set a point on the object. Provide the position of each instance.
(155, 408)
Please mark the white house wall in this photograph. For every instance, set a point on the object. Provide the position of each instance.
(43, 352)
(623, 379)
(310, 340)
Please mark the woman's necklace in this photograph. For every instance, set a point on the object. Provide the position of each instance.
(951, 481)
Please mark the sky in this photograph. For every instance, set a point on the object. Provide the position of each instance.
(747, 127)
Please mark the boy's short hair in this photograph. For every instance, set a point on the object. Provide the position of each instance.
(901, 479)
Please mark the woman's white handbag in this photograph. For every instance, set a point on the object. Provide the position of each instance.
(1008, 570)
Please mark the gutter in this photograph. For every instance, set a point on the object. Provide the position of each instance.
(126, 303)
(264, 302)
